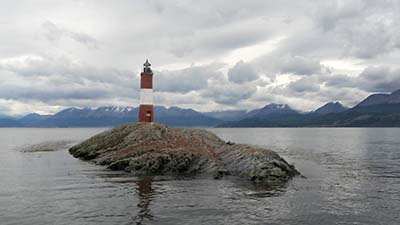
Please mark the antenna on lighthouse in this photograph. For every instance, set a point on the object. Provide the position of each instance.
(146, 66)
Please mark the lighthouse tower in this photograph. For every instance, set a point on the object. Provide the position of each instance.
(146, 113)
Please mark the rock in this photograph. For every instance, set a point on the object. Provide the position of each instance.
(48, 146)
(155, 149)
(255, 164)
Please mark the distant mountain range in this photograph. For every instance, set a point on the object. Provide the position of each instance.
(377, 110)
(110, 116)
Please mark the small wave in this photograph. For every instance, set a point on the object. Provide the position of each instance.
(47, 146)
(266, 194)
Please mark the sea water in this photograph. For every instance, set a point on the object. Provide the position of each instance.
(352, 177)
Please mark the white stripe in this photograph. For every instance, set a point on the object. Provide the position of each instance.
(146, 96)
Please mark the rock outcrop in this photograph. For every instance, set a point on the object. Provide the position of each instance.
(154, 149)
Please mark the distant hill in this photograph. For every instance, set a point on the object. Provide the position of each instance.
(176, 116)
(110, 116)
(5, 117)
(9, 122)
(32, 119)
(379, 103)
(379, 99)
(331, 107)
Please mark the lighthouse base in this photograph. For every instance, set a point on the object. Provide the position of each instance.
(146, 114)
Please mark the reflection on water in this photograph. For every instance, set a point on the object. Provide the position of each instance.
(353, 177)
(145, 195)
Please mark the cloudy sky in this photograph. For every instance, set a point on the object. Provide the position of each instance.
(206, 55)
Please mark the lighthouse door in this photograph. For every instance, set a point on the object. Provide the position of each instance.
(149, 116)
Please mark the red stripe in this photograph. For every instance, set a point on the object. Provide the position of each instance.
(146, 113)
(146, 80)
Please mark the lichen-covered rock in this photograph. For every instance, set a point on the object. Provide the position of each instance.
(155, 149)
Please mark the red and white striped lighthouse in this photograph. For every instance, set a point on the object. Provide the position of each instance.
(146, 113)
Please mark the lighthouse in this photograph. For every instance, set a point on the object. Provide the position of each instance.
(146, 113)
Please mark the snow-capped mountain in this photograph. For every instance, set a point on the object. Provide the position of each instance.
(271, 109)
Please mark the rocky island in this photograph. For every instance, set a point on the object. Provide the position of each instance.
(155, 149)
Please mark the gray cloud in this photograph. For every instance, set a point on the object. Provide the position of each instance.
(307, 84)
(371, 79)
(363, 28)
(57, 80)
(332, 13)
(218, 39)
(300, 65)
(186, 80)
(54, 33)
(379, 79)
(46, 93)
(338, 81)
(281, 63)
(229, 94)
(242, 72)
(63, 69)
(46, 56)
